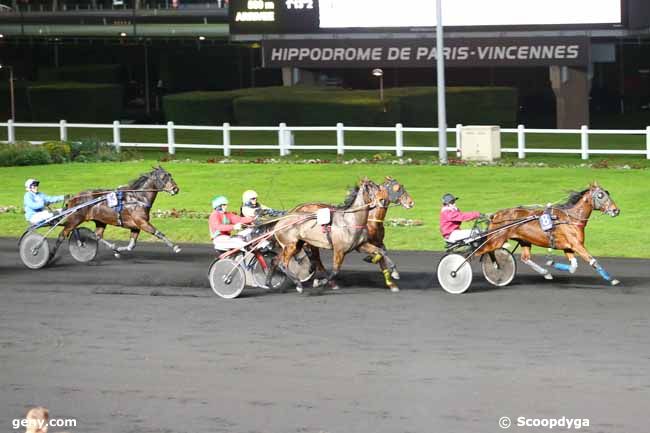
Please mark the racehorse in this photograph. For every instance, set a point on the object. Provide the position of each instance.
(397, 194)
(569, 220)
(132, 210)
(347, 230)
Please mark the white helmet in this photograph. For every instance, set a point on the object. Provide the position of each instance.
(30, 182)
(248, 196)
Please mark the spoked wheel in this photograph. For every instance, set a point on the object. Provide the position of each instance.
(499, 267)
(34, 251)
(261, 271)
(454, 273)
(83, 244)
(300, 266)
(227, 278)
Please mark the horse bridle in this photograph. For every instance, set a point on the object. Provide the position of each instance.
(600, 200)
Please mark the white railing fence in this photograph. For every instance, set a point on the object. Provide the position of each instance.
(285, 141)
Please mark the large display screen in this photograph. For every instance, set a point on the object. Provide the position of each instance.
(327, 16)
(336, 14)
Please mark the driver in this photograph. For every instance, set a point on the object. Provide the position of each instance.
(35, 202)
(251, 207)
(222, 223)
(451, 218)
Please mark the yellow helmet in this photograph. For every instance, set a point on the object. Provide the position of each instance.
(247, 196)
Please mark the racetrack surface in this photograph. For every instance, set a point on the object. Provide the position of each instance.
(141, 344)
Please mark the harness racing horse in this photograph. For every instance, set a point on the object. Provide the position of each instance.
(396, 194)
(132, 211)
(567, 232)
(347, 230)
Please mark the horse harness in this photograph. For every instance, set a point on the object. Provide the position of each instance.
(116, 200)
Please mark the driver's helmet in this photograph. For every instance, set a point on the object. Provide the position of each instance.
(219, 201)
(448, 199)
(248, 195)
(30, 182)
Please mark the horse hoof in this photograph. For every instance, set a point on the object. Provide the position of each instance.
(549, 263)
(615, 282)
(299, 288)
(334, 286)
(394, 289)
(395, 275)
(548, 276)
(117, 255)
(177, 249)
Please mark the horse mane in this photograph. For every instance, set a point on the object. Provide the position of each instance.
(349, 199)
(140, 181)
(573, 198)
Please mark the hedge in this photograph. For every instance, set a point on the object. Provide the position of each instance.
(311, 106)
(82, 74)
(75, 102)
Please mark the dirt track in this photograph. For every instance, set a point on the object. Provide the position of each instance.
(142, 345)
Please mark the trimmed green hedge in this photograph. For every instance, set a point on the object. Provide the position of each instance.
(75, 102)
(311, 106)
(82, 74)
(199, 108)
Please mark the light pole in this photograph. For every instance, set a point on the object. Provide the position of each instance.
(442, 115)
(11, 90)
(377, 72)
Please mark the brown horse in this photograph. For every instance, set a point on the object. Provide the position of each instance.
(347, 230)
(567, 233)
(396, 194)
(132, 210)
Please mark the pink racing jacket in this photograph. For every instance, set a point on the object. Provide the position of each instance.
(451, 218)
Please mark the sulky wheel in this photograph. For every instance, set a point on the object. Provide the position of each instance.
(300, 266)
(260, 272)
(227, 278)
(499, 267)
(34, 250)
(83, 244)
(454, 273)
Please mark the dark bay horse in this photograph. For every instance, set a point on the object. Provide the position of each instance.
(131, 213)
(396, 194)
(347, 230)
(567, 232)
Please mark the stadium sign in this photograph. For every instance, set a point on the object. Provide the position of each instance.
(363, 53)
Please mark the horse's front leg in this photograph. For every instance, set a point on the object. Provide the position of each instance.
(571, 267)
(132, 241)
(147, 227)
(582, 252)
(288, 251)
(385, 263)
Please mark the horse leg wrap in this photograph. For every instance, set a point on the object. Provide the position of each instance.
(108, 244)
(537, 268)
(129, 247)
(163, 238)
(376, 258)
(571, 267)
(387, 279)
(603, 273)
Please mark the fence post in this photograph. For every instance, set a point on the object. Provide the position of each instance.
(116, 135)
(288, 141)
(340, 139)
(459, 139)
(647, 142)
(399, 140)
(521, 142)
(171, 141)
(281, 137)
(584, 141)
(11, 131)
(63, 130)
(226, 139)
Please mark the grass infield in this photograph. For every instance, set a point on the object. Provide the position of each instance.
(282, 185)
